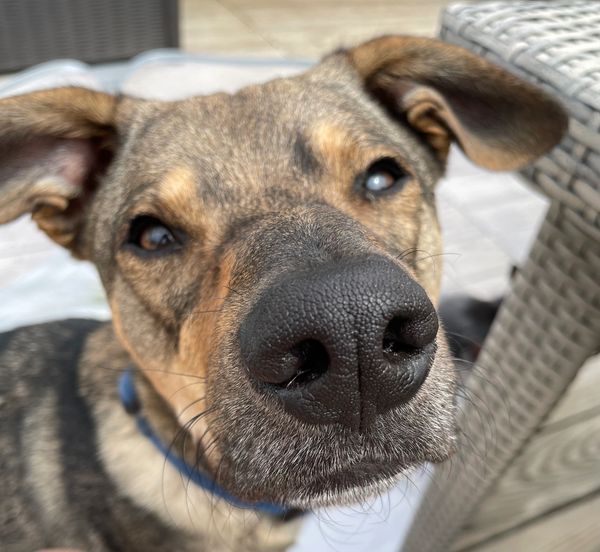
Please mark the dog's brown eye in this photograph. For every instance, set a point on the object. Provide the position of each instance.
(383, 176)
(150, 234)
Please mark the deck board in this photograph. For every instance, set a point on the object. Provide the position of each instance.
(571, 529)
(559, 465)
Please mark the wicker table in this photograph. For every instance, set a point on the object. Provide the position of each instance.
(550, 323)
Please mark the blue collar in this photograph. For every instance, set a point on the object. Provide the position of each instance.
(131, 403)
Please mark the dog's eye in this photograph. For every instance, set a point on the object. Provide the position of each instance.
(383, 176)
(150, 234)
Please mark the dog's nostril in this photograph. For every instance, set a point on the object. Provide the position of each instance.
(310, 360)
(395, 340)
(410, 332)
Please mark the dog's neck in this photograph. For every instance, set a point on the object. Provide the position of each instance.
(141, 472)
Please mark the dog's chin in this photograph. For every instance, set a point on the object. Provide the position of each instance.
(345, 489)
(347, 485)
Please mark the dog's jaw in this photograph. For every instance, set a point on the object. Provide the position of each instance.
(349, 496)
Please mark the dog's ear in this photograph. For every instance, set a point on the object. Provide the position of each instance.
(54, 144)
(446, 93)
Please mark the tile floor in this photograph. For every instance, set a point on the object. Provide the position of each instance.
(298, 28)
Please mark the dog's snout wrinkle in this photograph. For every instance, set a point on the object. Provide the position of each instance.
(341, 343)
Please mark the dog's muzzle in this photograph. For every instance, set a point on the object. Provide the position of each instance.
(342, 342)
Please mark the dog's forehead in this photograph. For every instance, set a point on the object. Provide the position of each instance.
(257, 121)
(265, 136)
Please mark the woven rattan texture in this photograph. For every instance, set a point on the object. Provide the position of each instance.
(32, 31)
(556, 45)
(547, 327)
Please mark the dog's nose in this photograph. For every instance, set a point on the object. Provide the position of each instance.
(341, 342)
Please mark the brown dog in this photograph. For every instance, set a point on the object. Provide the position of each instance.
(267, 257)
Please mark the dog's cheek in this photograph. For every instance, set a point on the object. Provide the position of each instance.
(200, 347)
(428, 258)
(144, 337)
(152, 347)
(436, 404)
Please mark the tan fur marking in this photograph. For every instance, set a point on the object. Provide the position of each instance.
(177, 199)
(167, 380)
(178, 192)
(333, 142)
(182, 381)
(198, 338)
(345, 154)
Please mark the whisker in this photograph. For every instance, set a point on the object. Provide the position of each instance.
(185, 387)
(233, 290)
(158, 370)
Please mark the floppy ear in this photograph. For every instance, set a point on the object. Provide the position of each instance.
(54, 144)
(446, 93)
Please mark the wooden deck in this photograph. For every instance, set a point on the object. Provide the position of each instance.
(549, 498)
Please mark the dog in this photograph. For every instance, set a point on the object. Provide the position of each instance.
(269, 258)
(467, 321)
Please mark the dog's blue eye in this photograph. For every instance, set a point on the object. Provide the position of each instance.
(379, 181)
(385, 175)
(150, 234)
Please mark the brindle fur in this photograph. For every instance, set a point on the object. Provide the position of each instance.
(261, 182)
